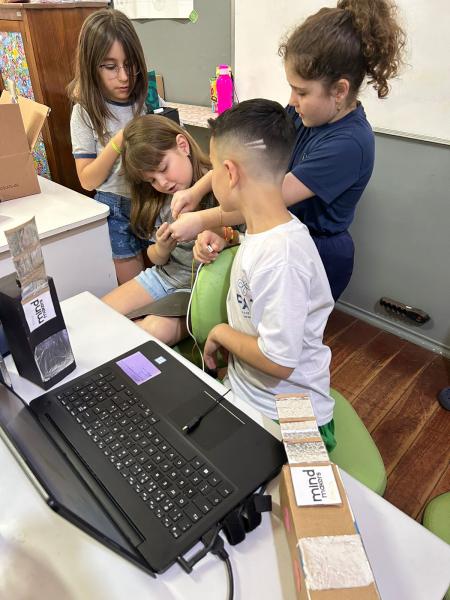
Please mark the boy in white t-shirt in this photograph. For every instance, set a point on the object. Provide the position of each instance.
(279, 298)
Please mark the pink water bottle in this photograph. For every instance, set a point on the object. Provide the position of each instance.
(224, 85)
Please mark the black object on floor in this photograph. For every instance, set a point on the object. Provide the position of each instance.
(444, 398)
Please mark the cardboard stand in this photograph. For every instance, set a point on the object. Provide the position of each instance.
(328, 558)
(36, 333)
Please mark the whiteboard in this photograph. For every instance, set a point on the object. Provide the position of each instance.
(418, 105)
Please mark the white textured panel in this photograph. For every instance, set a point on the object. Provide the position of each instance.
(299, 429)
(335, 562)
(306, 452)
(295, 408)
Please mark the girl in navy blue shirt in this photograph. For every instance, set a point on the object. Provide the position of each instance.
(326, 60)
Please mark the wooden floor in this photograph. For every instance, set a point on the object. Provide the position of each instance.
(393, 384)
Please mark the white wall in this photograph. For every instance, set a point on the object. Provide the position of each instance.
(402, 239)
(419, 103)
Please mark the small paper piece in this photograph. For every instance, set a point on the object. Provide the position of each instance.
(298, 407)
(294, 430)
(315, 485)
(155, 9)
(335, 562)
(26, 252)
(193, 17)
(306, 452)
(39, 310)
(138, 368)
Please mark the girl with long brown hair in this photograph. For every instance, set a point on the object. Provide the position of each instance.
(109, 89)
(159, 158)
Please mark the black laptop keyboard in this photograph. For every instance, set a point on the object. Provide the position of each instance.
(177, 490)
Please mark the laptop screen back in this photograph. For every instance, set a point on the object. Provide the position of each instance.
(64, 490)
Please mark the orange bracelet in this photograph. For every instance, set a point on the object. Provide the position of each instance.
(235, 237)
(228, 234)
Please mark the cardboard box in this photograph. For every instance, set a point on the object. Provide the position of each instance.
(320, 522)
(20, 125)
(328, 558)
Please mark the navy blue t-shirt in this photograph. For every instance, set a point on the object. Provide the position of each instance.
(335, 161)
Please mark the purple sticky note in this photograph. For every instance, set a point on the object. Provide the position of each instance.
(138, 368)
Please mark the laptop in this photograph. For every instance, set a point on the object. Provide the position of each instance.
(141, 453)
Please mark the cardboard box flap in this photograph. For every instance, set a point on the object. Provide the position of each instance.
(13, 139)
(33, 116)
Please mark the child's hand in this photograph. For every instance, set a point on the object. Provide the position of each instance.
(187, 227)
(207, 246)
(164, 240)
(183, 201)
(212, 347)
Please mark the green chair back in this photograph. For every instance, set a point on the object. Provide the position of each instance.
(209, 303)
(356, 451)
(436, 518)
(209, 298)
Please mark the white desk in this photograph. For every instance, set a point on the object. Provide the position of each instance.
(74, 236)
(43, 556)
(191, 114)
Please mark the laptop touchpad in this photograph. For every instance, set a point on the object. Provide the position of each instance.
(218, 422)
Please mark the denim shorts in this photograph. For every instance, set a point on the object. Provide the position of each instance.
(154, 284)
(124, 243)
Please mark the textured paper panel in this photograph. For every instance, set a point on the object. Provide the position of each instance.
(306, 452)
(335, 562)
(295, 408)
(299, 429)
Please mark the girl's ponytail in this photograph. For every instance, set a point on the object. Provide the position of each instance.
(353, 40)
(382, 39)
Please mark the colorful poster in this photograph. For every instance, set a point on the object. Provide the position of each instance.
(14, 66)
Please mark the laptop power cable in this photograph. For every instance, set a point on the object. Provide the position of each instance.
(235, 525)
(212, 542)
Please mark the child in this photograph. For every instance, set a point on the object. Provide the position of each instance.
(326, 60)
(158, 158)
(109, 89)
(279, 298)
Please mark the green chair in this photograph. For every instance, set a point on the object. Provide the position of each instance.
(436, 518)
(356, 451)
(208, 303)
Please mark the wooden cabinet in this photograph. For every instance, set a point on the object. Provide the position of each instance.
(37, 50)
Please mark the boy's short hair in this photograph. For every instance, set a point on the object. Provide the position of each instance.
(260, 129)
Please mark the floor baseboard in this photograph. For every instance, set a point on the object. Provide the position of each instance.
(395, 327)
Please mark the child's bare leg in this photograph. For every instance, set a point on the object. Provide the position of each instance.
(169, 330)
(127, 268)
(127, 297)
